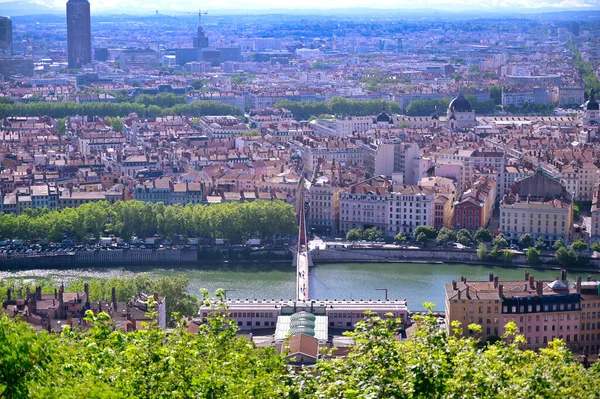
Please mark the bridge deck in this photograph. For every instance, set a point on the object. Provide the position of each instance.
(302, 290)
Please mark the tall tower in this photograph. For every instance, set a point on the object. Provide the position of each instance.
(6, 39)
(79, 33)
(201, 40)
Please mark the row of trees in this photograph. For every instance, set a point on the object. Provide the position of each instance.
(217, 363)
(303, 110)
(143, 109)
(235, 222)
(179, 301)
(585, 69)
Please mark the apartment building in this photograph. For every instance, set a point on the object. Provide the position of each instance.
(538, 205)
(475, 207)
(168, 192)
(542, 310)
(324, 209)
(410, 206)
(343, 126)
(365, 205)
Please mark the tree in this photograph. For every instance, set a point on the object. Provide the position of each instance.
(579, 246)
(197, 84)
(526, 240)
(483, 235)
(464, 237)
(564, 257)
(61, 126)
(596, 246)
(422, 238)
(533, 256)
(540, 244)
(482, 251)
(500, 241)
(558, 244)
(576, 212)
(429, 232)
(353, 235)
(372, 234)
(496, 94)
(445, 236)
(400, 238)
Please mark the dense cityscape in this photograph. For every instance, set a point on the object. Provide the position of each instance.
(178, 141)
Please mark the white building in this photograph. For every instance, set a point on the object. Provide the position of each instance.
(410, 207)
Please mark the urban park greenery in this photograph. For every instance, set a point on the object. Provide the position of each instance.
(218, 363)
(233, 221)
(303, 110)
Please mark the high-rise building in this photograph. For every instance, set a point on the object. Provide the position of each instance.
(79, 33)
(201, 40)
(6, 39)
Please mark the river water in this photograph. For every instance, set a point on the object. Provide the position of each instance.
(415, 282)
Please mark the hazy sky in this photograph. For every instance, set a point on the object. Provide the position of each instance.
(167, 6)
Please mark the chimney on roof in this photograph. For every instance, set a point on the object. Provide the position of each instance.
(454, 285)
(501, 290)
(526, 276)
(578, 284)
(539, 288)
(491, 277)
(114, 298)
(495, 281)
(468, 292)
(459, 294)
(531, 282)
(563, 275)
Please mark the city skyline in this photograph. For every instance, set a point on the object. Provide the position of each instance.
(170, 7)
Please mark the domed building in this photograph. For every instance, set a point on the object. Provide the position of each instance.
(591, 110)
(384, 120)
(460, 113)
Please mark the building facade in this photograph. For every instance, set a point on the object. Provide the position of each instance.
(79, 33)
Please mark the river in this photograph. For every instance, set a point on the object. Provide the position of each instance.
(415, 282)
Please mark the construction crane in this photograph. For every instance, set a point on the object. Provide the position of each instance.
(200, 12)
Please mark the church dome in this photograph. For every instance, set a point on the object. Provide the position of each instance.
(460, 104)
(384, 117)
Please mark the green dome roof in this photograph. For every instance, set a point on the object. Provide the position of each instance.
(302, 323)
(303, 316)
(302, 330)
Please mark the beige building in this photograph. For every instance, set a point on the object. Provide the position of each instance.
(538, 205)
(542, 310)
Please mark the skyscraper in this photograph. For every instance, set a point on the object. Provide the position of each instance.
(6, 40)
(79, 33)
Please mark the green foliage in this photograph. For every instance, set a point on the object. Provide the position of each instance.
(579, 246)
(464, 237)
(496, 94)
(428, 231)
(163, 100)
(526, 240)
(596, 246)
(427, 107)
(372, 234)
(61, 126)
(483, 235)
(563, 256)
(445, 236)
(576, 212)
(354, 235)
(500, 241)
(540, 244)
(400, 238)
(197, 84)
(533, 256)
(252, 133)
(115, 123)
(482, 251)
(558, 244)
(216, 363)
(586, 69)
(65, 109)
(303, 110)
(232, 221)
